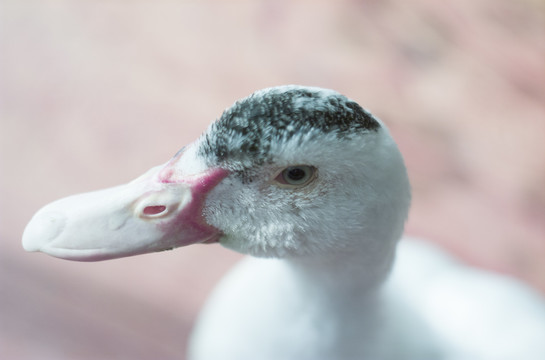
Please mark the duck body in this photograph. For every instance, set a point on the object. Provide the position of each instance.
(430, 307)
(315, 190)
(286, 317)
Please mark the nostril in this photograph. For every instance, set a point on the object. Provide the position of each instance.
(154, 209)
(160, 204)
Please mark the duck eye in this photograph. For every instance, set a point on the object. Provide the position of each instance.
(296, 175)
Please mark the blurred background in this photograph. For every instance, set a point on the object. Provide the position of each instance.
(93, 93)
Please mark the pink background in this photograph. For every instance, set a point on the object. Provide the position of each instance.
(93, 93)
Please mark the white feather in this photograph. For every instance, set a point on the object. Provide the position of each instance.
(334, 244)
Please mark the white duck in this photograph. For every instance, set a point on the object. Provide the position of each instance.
(314, 188)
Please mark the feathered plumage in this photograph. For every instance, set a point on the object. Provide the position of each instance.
(314, 188)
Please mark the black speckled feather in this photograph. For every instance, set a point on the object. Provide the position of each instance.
(245, 131)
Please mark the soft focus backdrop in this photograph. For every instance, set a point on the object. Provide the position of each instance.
(93, 93)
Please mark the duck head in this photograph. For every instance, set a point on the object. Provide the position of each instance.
(287, 171)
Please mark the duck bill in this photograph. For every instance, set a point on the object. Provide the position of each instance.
(156, 212)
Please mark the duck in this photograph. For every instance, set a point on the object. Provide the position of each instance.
(313, 188)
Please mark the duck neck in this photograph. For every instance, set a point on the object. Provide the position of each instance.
(344, 274)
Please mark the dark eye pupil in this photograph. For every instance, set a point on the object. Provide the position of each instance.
(296, 174)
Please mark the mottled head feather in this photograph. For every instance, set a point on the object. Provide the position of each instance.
(245, 131)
